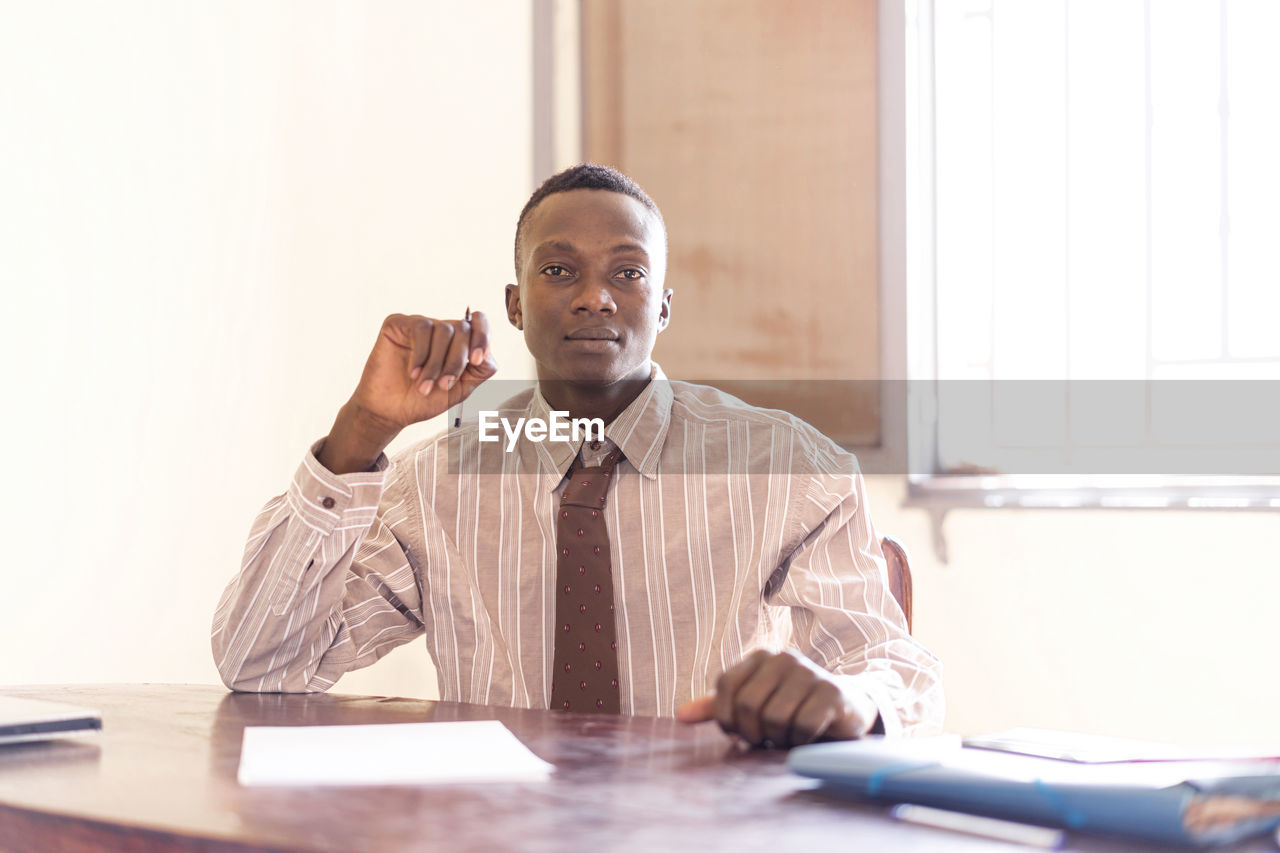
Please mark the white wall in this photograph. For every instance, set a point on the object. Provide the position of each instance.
(205, 211)
(1159, 624)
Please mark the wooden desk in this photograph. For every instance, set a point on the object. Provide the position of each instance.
(162, 776)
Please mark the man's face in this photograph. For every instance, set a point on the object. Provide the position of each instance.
(590, 299)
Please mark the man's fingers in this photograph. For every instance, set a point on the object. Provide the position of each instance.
(782, 699)
(439, 350)
(479, 344)
(472, 376)
(456, 357)
(755, 693)
(415, 368)
(728, 684)
(697, 710)
(778, 714)
(814, 717)
(411, 332)
(441, 336)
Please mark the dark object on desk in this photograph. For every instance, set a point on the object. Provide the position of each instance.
(895, 557)
(23, 720)
(1193, 803)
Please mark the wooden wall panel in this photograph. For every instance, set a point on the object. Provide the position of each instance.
(752, 123)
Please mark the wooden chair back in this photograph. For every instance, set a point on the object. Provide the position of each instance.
(895, 557)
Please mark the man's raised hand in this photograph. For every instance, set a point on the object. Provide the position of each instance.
(418, 368)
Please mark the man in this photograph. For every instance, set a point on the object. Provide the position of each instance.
(705, 559)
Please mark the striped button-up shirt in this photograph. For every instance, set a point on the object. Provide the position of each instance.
(731, 528)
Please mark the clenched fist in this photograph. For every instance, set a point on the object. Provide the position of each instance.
(418, 368)
(783, 699)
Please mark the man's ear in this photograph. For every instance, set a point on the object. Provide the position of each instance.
(514, 314)
(664, 313)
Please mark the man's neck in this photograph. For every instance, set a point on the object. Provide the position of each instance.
(594, 400)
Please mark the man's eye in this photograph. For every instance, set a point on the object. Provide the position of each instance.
(632, 275)
(555, 271)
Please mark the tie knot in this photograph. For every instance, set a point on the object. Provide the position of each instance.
(589, 486)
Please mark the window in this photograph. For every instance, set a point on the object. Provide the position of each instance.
(1093, 211)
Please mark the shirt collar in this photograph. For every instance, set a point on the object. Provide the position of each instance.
(640, 430)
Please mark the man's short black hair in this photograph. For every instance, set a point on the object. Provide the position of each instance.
(585, 176)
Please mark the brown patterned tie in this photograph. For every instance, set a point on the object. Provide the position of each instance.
(585, 673)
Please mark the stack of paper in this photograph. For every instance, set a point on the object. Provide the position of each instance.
(1098, 749)
(397, 754)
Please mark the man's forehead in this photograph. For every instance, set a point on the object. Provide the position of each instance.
(602, 215)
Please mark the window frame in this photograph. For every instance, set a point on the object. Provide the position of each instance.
(908, 318)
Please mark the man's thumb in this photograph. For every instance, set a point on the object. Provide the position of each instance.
(697, 710)
(473, 376)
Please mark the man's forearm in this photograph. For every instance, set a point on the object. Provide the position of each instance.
(259, 617)
(280, 616)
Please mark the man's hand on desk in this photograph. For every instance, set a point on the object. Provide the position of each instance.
(782, 699)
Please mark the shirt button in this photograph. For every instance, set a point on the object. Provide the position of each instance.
(328, 503)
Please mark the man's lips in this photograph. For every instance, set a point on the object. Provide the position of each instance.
(592, 334)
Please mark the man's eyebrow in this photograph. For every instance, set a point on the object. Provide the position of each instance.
(629, 247)
(555, 245)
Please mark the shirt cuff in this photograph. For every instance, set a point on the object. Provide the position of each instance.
(321, 497)
(879, 693)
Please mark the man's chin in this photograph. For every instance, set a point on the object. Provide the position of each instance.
(600, 379)
(584, 374)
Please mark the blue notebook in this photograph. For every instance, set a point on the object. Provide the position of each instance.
(1195, 803)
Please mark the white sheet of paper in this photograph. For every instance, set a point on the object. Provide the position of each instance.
(392, 754)
(1099, 749)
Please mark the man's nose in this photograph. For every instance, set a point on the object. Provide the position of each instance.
(594, 296)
